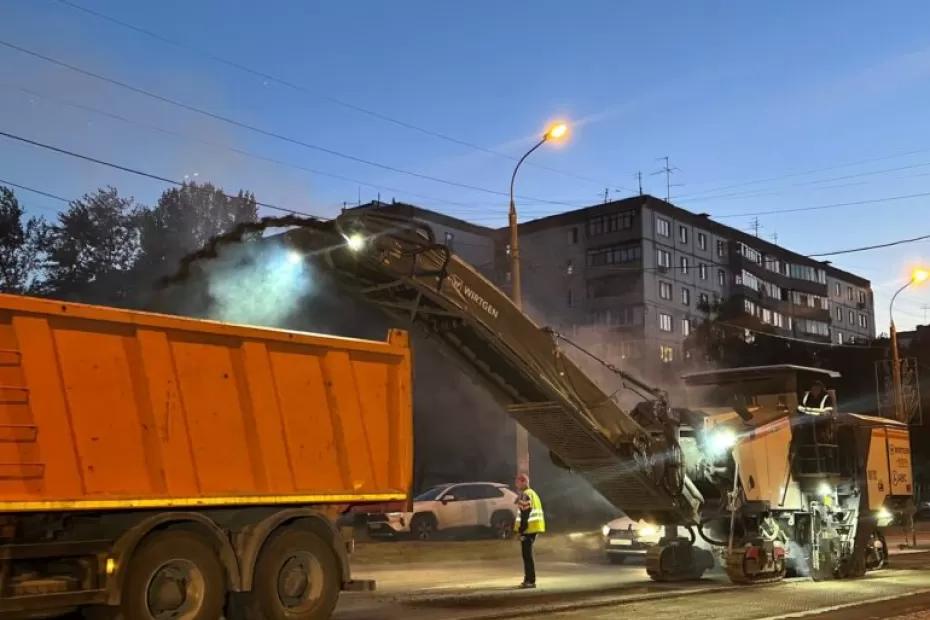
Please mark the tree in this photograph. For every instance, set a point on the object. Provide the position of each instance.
(92, 247)
(20, 246)
(184, 219)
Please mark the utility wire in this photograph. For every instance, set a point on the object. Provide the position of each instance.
(302, 89)
(258, 130)
(135, 171)
(804, 173)
(217, 145)
(836, 205)
(35, 191)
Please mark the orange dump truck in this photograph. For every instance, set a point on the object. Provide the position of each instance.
(161, 467)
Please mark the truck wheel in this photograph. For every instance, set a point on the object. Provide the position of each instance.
(423, 527)
(173, 574)
(297, 577)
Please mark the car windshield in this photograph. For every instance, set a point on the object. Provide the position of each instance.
(431, 494)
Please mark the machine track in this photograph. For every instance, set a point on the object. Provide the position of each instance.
(751, 565)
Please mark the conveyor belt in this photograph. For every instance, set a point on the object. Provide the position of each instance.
(401, 269)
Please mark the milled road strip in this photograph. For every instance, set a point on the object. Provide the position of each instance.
(832, 608)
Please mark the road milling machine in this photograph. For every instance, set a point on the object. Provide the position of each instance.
(766, 488)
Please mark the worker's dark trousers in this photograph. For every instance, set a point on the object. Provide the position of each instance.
(529, 564)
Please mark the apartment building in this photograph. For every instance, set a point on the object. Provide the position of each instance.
(635, 276)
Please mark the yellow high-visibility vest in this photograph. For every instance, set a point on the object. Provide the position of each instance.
(536, 523)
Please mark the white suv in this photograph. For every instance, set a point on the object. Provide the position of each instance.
(470, 505)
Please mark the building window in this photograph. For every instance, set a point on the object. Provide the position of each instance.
(703, 300)
(852, 317)
(849, 293)
(665, 290)
(837, 289)
(664, 258)
(862, 297)
(702, 270)
(839, 315)
(573, 235)
(663, 227)
(612, 222)
(686, 327)
(863, 320)
(682, 234)
(721, 247)
(614, 255)
(721, 277)
(750, 253)
(811, 274)
(684, 265)
(622, 315)
(702, 241)
(666, 353)
(744, 278)
(450, 241)
(570, 267)
(685, 296)
(839, 337)
(665, 322)
(571, 301)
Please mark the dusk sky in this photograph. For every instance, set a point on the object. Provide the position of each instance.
(759, 108)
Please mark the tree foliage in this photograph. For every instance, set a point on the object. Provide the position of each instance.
(186, 218)
(21, 245)
(92, 247)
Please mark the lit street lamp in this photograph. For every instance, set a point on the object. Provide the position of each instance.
(918, 276)
(555, 132)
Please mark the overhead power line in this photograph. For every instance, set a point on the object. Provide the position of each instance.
(35, 191)
(258, 130)
(307, 91)
(804, 172)
(134, 171)
(836, 205)
(245, 153)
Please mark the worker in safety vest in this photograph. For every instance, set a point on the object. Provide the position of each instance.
(530, 522)
(817, 400)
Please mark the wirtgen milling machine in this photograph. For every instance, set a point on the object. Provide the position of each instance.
(770, 488)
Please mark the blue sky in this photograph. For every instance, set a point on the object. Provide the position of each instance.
(788, 105)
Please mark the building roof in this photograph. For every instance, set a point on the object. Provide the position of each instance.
(701, 220)
(577, 216)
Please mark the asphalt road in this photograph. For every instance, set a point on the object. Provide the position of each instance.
(474, 590)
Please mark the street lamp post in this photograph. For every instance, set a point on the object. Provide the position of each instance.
(918, 276)
(555, 132)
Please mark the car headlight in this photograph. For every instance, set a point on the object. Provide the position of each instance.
(605, 530)
(647, 531)
(884, 517)
(394, 515)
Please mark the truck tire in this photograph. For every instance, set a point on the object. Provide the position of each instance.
(173, 574)
(297, 577)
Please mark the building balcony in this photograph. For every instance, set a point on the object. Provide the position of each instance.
(738, 262)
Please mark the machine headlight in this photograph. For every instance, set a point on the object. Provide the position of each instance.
(884, 517)
(355, 241)
(720, 441)
(394, 515)
(605, 530)
(647, 531)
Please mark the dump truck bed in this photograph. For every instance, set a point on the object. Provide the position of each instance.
(103, 408)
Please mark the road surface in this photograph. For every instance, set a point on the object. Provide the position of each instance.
(574, 590)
